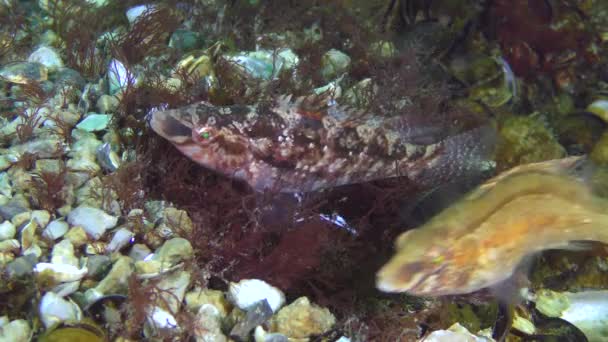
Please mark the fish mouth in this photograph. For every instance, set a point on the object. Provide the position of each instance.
(168, 127)
(387, 280)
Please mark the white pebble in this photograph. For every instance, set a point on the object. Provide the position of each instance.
(247, 292)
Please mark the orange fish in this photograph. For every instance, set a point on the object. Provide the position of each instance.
(479, 241)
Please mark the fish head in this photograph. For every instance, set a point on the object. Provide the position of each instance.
(206, 135)
(434, 265)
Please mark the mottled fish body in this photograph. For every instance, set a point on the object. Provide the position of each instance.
(303, 144)
(480, 240)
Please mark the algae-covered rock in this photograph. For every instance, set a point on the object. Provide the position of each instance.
(599, 154)
(525, 140)
(301, 319)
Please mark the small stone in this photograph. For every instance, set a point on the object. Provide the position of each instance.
(7, 230)
(334, 63)
(60, 272)
(139, 252)
(77, 236)
(53, 310)
(5, 185)
(84, 164)
(259, 313)
(16, 331)
(94, 221)
(63, 253)
(173, 252)
(301, 319)
(11, 245)
(24, 72)
(134, 13)
(11, 209)
(248, 292)
(121, 238)
(199, 297)
(208, 325)
(94, 122)
(21, 266)
(107, 103)
(115, 282)
(172, 290)
(42, 217)
(46, 56)
(98, 265)
(55, 229)
(174, 221)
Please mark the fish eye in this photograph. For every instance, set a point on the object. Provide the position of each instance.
(204, 133)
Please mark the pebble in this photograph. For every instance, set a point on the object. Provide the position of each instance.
(55, 229)
(46, 56)
(54, 309)
(7, 230)
(121, 238)
(248, 292)
(24, 72)
(334, 63)
(94, 221)
(61, 272)
(16, 331)
(107, 103)
(301, 319)
(94, 122)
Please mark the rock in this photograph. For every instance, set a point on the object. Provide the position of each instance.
(24, 72)
(53, 310)
(139, 252)
(66, 77)
(587, 310)
(94, 122)
(46, 56)
(455, 333)
(7, 230)
(5, 185)
(260, 335)
(107, 103)
(98, 265)
(63, 253)
(173, 288)
(258, 314)
(174, 221)
(525, 140)
(115, 282)
(185, 40)
(173, 252)
(599, 108)
(77, 236)
(301, 319)
(11, 245)
(10, 209)
(135, 12)
(42, 148)
(42, 217)
(208, 325)
(16, 331)
(121, 238)
(60, 273)
(119, 77)
(94, 221)
(199, 297)
(247, 292)
(334, 63)
(55, 229)
(107, 158)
